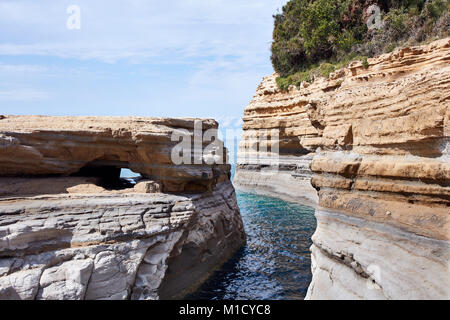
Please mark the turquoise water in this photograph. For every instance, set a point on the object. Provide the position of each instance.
(275, 263)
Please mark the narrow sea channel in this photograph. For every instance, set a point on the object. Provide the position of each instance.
(275, 263)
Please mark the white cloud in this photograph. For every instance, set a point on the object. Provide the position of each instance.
(21, 68)
(216, 52)
(23, 95)
(138, 30)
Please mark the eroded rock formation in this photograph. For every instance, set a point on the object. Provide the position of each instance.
(386, 164)
(381, 170)
(73, 237)
(42, 146)
(289, 176)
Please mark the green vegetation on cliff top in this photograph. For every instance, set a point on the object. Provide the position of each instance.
(317, 37)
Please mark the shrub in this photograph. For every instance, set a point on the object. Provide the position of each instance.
(317, 70)
(325, 69)
(310, 36)
(307, 32)
(365, 63)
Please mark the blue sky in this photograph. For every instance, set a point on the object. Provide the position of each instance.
(190, 58)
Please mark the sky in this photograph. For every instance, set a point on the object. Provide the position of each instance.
(178, 58)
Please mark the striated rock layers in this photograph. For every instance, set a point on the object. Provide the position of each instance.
(70, 230)
(42, 146)
(382, 173)
(271, 160)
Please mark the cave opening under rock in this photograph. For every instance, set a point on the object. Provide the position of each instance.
(110, 177)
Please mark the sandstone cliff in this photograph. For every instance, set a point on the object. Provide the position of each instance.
(71, 229)
(381, 169)
(285, 112)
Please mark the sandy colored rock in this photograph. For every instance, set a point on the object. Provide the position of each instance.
(68, 145)
(96, 236)
(86, 188)
(379, 141)
(147, 186)
(384, 176)
(285, 171)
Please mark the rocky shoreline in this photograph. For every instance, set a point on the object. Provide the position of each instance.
(288, 183)
(368, 148)
(376, 139)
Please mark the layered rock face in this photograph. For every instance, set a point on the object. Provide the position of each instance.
(386, 164)
(42, 146)
(75, 237)
(382, 172)
(271, 160)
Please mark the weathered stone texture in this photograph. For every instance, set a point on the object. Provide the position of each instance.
(115, 246)
(290, 175)
(379, 142)
(385, 161)
(70, 237)
(42, 146)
